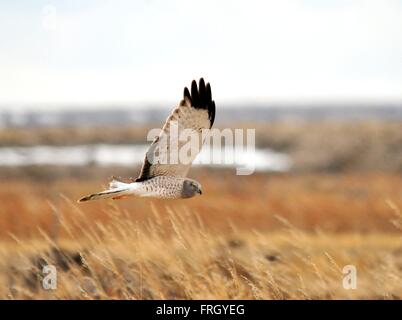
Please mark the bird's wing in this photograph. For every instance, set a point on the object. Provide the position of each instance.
(196, 111)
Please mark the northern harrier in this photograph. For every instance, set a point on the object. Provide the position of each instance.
(196, 112)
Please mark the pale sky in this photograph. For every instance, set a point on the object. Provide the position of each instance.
(133, 52)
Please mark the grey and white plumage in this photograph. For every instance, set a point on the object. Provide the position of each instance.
(196, 111)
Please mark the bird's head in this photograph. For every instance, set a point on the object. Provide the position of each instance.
(191, 188)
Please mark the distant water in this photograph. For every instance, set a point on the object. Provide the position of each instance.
(131, 155)
(113, 115)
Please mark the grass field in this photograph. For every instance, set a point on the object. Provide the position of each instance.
(264, 236)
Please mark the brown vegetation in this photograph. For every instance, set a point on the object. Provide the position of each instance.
(264, 236)
(256, 237)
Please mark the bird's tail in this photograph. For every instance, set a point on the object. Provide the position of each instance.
(117, 189)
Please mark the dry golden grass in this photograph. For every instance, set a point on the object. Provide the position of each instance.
(256, 237)
(335, 203)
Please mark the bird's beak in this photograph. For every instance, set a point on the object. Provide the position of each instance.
(199, 191)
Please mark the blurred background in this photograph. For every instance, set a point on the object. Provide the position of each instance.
(81, 83)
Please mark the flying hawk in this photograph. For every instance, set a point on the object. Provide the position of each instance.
(167, 180)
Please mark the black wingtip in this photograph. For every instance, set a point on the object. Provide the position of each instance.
(186, 93)
(201, 83)
(208, 92)
(201, 97)
(211, 113)
(202, 92)
(194, 94)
